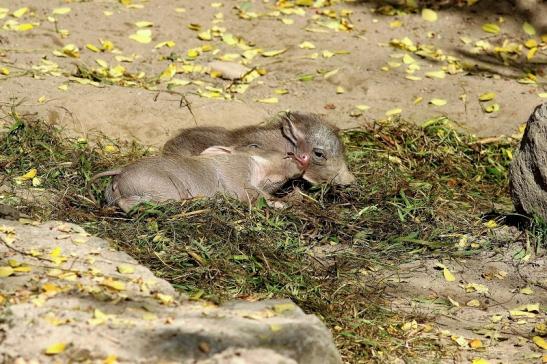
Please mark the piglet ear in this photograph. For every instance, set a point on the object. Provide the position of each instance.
(218, 149)
(291, 131)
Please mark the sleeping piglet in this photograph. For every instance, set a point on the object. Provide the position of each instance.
(246, 174)
(299, 133)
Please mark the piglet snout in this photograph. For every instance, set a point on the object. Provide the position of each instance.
(303, 160)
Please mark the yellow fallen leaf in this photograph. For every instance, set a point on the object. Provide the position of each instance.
(492, 108)
(20, 12)
(71, 50)
(527, 291)
(206, 35)
(168, 44)
(229, 57)
(496, 318)
(4, 71)
(539, 341)
(407, 326)
(63, 87)
(125, 268)
(453, 302)
(473, 303)
(14, 263)
(106, 45)
(543, 95)
(169, 72)
(110, 149)
(475, 344)
(448, 276)
(24, 27)
(56, 348)
(436, 74)
(393, 112)
(144, 24)
(475, 287)
(413, 78)
(531, 53)
(6, 271)
(51, 289)
(460, 340)
(395, 24)
(142, 36)
(283, 307)
(429, 15)
(418, 99)
(101, 62)
(22, 269)
(306, 45)
(327, 54)
(438, 102)
(149, 316)
(29, 175)
(61, 11)
(407, 59)
(487, 96)
(287, 21)
(541, 328)
(530, 307)
(111, 359)
(271, 100)
(273, 53)
(491, 28)
(165, 298)
(479, 361)
(362, 107)
(531, 43)
(281, 91)
(92, 48)
(114, 284)
(520, 313)
(528, 28)
(491, 224)
(340, 90)
(275, 327)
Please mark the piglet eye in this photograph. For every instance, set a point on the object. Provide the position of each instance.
(255, 146)
(319, 154)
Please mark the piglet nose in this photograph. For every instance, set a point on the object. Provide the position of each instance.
(304, 160)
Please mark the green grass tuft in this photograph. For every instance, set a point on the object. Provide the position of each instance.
(419, 189)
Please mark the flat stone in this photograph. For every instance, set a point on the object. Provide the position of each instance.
(76, 290)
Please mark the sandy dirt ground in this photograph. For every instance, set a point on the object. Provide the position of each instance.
(138, 70)
(351, 63)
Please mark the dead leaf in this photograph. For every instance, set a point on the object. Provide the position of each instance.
(394, 112)
(539, 341)
(142, 36)
(487, 96)
(125, 269)
(55, 349)
(528, 28)
(429, 15)
(438, 102)
(491, 28)
(6, 271)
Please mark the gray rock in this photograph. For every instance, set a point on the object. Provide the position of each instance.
(528, 171)
(229, 70)
(69, 287)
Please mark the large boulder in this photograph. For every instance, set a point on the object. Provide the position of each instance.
(66, 296)
(528, 172)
